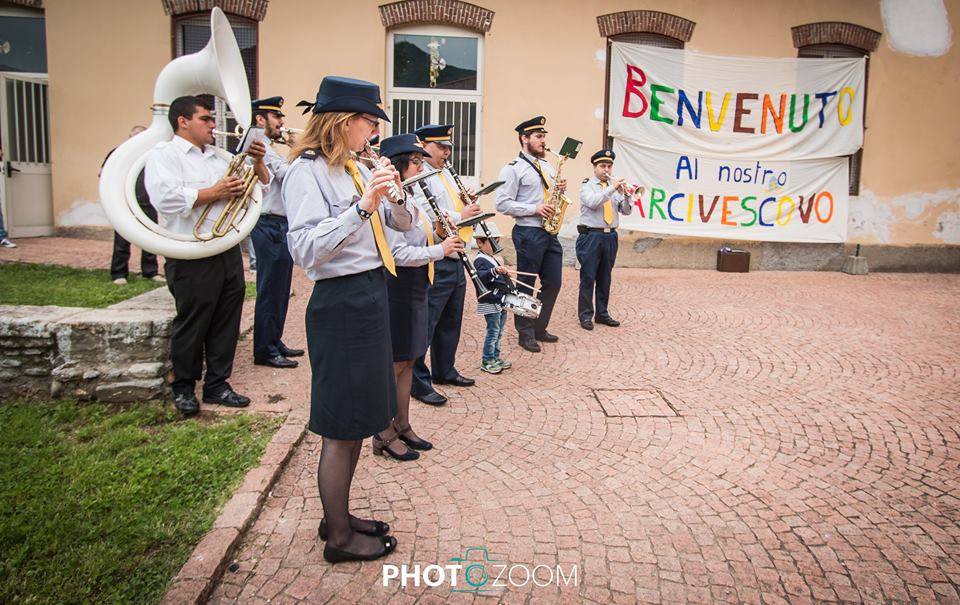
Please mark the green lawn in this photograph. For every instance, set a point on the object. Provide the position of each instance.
(104, 503)
(251, 291)
(34, 284)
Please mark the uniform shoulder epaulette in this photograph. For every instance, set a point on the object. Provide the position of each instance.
(309, 154)
(511, 163)
(586, 179)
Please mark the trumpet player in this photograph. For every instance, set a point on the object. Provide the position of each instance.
(525, 195)
(183, 176)
(274, 263)
(602, 199)
(446, 294)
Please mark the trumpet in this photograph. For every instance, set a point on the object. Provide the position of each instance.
(239, 131)
(627, 188)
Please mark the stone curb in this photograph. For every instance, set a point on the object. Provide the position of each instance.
(198, 576)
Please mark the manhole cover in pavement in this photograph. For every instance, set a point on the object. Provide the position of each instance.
(634, 403)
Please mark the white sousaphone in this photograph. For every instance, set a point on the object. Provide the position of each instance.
(217, 70)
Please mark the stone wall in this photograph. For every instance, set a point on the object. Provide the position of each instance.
(120, 353)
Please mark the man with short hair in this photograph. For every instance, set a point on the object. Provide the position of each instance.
(274, 263)
(446, 295)
(529, 181)
(183, 176)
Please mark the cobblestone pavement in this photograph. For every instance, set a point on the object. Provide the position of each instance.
(759, 438)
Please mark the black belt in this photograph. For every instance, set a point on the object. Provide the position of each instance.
(273, 217)
(582, 229)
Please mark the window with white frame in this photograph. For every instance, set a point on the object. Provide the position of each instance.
(191, 34)
(435, 76)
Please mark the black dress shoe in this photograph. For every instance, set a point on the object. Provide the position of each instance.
(608, 321)
(288, 352)
(459, 381)
(586, 324)
(431, 398)
(335, 555)
(229, 398)
(546, 337)
(277, 361)
(379, 529)
(186, 403)
(530, 345)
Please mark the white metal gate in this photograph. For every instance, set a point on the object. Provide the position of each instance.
(26, 192)
(410, 111)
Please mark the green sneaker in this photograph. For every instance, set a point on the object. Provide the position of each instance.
(491, 366)
(506, 365)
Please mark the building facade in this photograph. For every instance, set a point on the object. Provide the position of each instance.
(488, 66)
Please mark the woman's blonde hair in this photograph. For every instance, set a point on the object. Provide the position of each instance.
(326, 132)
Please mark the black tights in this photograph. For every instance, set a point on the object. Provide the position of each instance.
(338, 463)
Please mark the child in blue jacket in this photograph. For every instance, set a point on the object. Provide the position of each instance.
(494, 277)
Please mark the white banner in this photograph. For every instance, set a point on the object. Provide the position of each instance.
(792, 201)
(735, 107)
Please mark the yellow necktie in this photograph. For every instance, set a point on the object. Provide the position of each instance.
(546, 188)
(428, 229)
(466, 233)
(378, 235)
(607, 210)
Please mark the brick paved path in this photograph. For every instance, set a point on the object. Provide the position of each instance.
(769, 437)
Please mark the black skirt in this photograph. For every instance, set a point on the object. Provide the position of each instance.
(408, 312)
(353, 390)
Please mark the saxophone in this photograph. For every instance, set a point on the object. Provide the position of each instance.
(559, 201)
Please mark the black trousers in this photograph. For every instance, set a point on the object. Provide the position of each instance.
(274, 272)
(121, 253)
(597, 253)
(445, 313)
(538, 252)
(209, 296)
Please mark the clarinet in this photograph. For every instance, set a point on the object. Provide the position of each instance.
(451, 229)
(497, 248)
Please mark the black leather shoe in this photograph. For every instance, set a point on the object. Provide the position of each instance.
(586, 324)
(459, 381)
(186, 403)
(288, 352)
(229, 398)
(608, 321)
(530, 345)
(432, 398)
(335, 555)
(546, 337)
(277, 361)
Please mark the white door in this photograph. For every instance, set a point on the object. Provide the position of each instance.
(26, 193)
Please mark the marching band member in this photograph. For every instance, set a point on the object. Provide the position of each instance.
(182, 177)
(524, 195)
(274, 263)
(601, 203)
(447, 293)
(416, 251)
(496, 279)
(339, 213)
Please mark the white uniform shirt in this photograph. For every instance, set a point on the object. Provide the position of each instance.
(522, 190)
(175, 172)
(327, 237)
(277, 166)
(593, 194)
